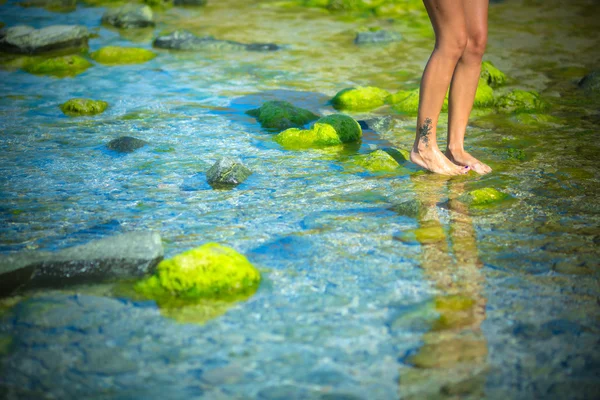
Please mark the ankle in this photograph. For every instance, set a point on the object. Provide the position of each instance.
(455, 149)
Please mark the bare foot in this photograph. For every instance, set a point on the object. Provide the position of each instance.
(462, 158)
(432, 159)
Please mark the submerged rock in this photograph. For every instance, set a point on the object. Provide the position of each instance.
(128, 255)
(378, 124)
(129, 16)
(359, 98)
(227, 172)
(332, 130)
(51, 5)
(591, 82)
(378, 161)
(483, 197)
(114, 55)
(209, 271)
(187, 41)
(282, 115)
(521, 101)
(492, 75)
(58, 66)
(76, 107)
(379, 36)
(27, 40)
(126, 144)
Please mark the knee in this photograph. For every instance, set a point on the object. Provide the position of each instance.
(453, 47)
(475, 47)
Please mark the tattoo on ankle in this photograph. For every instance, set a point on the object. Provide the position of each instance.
(424, 131)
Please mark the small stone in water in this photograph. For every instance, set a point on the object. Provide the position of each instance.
(227, 172)
(126, 144)
(129, 16)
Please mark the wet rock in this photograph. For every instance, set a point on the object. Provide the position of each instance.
(574, 267)
(77, 107)
(132, 254)
(379, 36)
(227, 172)
(400, 155)
(359, 98)
(187, 41)
(51, 5)
(492, 75)
(280, 115)
(423, 235)
(129, 16)
(521, 101)
(483, 197)
(114, 55)
(378, 161)
(378, 124)
(126, 144)
(484, 96)
(27, 40)
(407, 101)
(208, 271)
(591, 82)
(58, 66)
(332, 130)
(190, 2)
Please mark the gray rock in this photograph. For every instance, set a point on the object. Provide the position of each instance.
(129, 16)
(190, 2)
(378, 124)
(377, 37)
(126, 144)
(227, 172)
(187, 41)
(591, 82)
(128, 255)
(27, 40)
(59, 5)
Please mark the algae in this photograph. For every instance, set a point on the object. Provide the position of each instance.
(492, 75)
(58, 66)
(280, 115)
(115, 55)
(332, 130)
(79, 106)
(359, 98)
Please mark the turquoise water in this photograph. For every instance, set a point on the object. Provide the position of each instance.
(503, 305)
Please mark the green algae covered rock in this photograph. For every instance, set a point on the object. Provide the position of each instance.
(58, 66)
(430, 234)
(484, 96)
(521, 101)
(492, 75)
(407, 101)
(360, 98)
(76, 107)
(378, 161)
(280, 115)
(114, 55)
(209, 271)
(483, 197)
(332, 130)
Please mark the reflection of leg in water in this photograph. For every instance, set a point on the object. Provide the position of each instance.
(451, 361)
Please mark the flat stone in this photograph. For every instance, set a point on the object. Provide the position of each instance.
(227, 172)
(187, 41)
(377, 37)
(129, 16)
(126, 144)
(27, 40)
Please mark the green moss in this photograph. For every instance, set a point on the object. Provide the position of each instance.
(400, 155)
(359, 98)
(209, 271)
(407, 101)
(58, 66)
(510, 154)
(492, 75)
(484, 97)
(430, 234)
(328, 131)
(6, 343)
(521, 101)
(279, 115)
(482, 197)
(114, 55)
(75, 107)
(353, 5)
(456, 311)
(378, 161)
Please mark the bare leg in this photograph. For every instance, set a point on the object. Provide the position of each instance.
(449, 24)
(464, 85)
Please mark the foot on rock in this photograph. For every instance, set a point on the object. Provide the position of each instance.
(432, 159)
(462, 158)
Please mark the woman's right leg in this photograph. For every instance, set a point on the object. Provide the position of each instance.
(448, 21)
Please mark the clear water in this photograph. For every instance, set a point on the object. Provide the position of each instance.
(504, 307)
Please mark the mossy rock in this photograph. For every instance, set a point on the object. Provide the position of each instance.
(456, 311)
(424, 235)
(483, 197)
(114, 55)
(492, 75)
(400, 155)
(76, 107)
(280, 115)
(407, 101)
(360, 98)
(332, 130)
(378, 161)
(209, 271)
(484, 96)
(521, 101)
(58, 66)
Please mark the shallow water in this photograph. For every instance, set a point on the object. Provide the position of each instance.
(504, 306)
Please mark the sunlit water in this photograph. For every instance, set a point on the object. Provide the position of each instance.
(345, 310)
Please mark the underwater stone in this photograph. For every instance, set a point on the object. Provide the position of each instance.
(129, 16)
(377, 37)
(378, 161)
(126, 144)
(481, 197)
(51, 5)
(58, 66)
(521, 101)
(27, 40)
(209, 271)
(332, 130)
(114, 55)
(76, 107)
(591, 82)
(492, 75)
(359, 98)
(282, 115)
(400, 155)
(227, 172)
(187, 41)
(128, 255)
(378, 124)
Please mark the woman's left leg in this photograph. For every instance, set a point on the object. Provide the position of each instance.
(464, 85)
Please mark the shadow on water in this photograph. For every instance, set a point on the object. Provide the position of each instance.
(451, 361)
